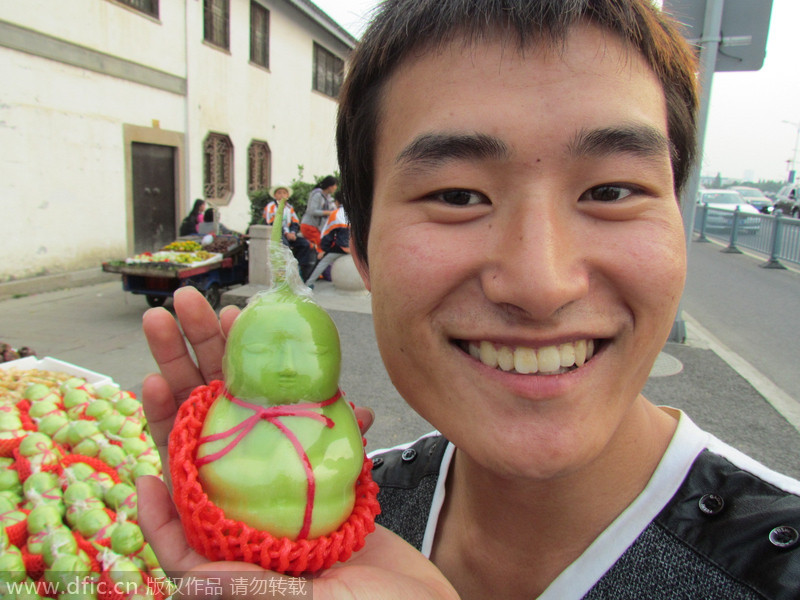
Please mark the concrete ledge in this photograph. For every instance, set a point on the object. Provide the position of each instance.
(325, 294)
(345, 276)
(239, 296)
(51, 283)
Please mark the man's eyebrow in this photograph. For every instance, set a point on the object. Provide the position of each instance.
(432, 149)
(640, 140)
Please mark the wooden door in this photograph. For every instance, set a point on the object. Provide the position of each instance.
(154, 199)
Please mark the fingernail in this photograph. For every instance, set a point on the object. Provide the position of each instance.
(227, 308)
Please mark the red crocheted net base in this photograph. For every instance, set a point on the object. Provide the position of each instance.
(217, 537)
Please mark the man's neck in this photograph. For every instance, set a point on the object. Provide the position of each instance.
(509, 538)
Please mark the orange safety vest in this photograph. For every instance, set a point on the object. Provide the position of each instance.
(289, 216)
(336, 219)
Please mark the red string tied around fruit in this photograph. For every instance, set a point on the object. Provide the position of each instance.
(217, 537)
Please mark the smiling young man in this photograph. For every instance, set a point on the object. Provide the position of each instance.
(511, 173)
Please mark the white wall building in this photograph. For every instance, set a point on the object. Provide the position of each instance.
(116, 114)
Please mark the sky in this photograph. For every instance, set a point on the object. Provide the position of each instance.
(746, 137)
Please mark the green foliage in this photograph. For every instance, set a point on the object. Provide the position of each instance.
(300, 191)
(258, 200)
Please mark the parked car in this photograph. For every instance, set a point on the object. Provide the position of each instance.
(722, 204)
(755, 197)
(788, 200)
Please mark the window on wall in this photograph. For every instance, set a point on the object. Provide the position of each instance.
(258, 166)
(216, 22)
(328, 71)
(148, 7)
(259, 34)
(218, 168)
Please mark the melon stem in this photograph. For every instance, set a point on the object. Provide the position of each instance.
(277, 260)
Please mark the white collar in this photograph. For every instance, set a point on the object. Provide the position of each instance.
(579, 577)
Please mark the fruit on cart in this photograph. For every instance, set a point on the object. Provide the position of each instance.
(222, 244)
(171, 257)
(183, 246)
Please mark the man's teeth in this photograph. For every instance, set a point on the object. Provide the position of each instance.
(548, 359)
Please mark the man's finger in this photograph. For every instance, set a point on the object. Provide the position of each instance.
(162, 527)
(201, 327)
(169, 350)
(226, 318)
(365, 417)
(160, 409)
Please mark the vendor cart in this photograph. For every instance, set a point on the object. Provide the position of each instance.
(158, 280)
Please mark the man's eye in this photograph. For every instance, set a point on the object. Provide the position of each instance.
(608, 193)
(460, 197)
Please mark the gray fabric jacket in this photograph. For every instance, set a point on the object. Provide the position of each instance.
(693, 550)
(317, 204)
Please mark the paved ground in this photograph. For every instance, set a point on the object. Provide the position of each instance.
(98, 327)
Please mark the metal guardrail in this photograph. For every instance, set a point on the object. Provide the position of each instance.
(775, 236)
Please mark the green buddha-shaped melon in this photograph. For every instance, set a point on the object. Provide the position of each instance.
(276, 460)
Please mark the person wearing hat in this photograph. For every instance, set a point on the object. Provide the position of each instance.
(292, 237)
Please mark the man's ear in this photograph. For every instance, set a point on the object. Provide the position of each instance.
(361, 265)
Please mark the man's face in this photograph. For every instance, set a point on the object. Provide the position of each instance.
(281, 194)
(524, 211)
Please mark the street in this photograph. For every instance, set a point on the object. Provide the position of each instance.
(98, 327)
(753, 311)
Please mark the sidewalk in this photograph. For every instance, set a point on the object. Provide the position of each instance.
(98, 327)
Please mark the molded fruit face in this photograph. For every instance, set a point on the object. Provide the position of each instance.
(282, 349)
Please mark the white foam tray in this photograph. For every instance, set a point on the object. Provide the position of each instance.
(53, 364)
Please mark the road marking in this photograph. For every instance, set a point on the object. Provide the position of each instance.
(787, 407)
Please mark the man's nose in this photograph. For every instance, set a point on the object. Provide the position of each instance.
(537, 260)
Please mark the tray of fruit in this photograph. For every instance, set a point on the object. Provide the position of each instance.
(33, 363)
(226, 244)
(197, 258)
(71, 446)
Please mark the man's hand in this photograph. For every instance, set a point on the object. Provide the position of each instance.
(386, 568)
(163, 393)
